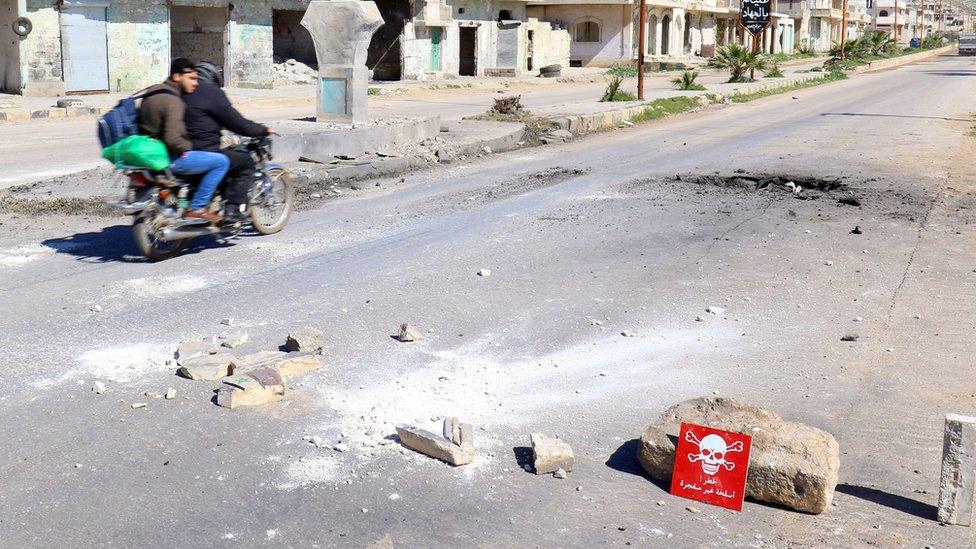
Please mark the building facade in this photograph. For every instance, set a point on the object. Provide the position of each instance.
(92, 46)
(605, 33)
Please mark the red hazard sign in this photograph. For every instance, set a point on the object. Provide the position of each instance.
(711, 466)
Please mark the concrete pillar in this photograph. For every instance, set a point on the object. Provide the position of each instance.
(777, 37)
(958, 479)
(342, 30)
(657, 36)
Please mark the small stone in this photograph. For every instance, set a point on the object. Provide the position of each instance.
(560, 474)
(484, 273)
(227, 321)
(138, 405)
(316, 440)
(550, 454)
(96, 308)
(409, 333)
(364, 510)
(858, 319)
(98, 387)
(78, 466)
(850, 337)
(628, 333)
(235, 340)
(306, 339)
(340, 447)
(828, 263)
(717, 311)
(918, 317)
(170, 393)
(579, 488)
(692, 509)
(661, 503)
(699, 319)
(394, 497)
(856, 230)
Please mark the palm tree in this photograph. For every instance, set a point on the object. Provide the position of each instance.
(687, 81)
(737, 59)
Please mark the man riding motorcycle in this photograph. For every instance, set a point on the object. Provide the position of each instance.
(161, 116)
(208, 111)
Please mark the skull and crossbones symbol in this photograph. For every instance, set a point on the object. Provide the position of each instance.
(712, 451)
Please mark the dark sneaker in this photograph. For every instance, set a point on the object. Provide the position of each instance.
(233, 214)
(205, 215)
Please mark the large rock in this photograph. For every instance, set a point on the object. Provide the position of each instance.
(455, 444)
(306, 339)
(254, 388)
(550, 455)
(791, 464)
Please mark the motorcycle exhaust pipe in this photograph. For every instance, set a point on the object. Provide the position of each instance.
(169, 234)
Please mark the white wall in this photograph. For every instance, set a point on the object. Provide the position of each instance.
(616, 29)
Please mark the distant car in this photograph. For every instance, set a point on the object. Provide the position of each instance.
(967, 43)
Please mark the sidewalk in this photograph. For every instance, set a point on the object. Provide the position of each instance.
(17, 108)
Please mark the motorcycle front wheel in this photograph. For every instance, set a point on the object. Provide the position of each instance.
(150, 246)
(272, 202)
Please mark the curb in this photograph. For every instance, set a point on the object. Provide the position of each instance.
(903, 60)
(25, 115)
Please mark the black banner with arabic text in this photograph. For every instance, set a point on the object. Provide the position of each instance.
(756, 15)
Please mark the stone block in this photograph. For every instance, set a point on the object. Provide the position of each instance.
(409, 333)
(194, 348)
(792, 464)
(293, 364)
(234, 340)
(257, 387)
(455, 445)
(305, 339)
(958, 479)
(208, 367)
(550, 455)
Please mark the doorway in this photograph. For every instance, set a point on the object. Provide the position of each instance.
(385, 55)
(530, 53)
(290, 40)
(467, 51)
(199, 34)
(84, 47)
(436, 40)
(666, 35)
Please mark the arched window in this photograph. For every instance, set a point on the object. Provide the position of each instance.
(883, 13)
(588, 31)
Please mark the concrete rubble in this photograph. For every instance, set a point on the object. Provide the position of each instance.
(791, 464)
(957, 483)
(208, 367)
(234, 340)
(455, 445)
(551, 455)
(257, 387)
(294, 72)
(409, 333)
(305, 339)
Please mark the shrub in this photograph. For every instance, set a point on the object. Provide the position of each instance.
(613, 92)
(773, 71)
(737, 60)
(687, 81)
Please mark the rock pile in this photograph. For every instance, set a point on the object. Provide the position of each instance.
(253, 379)
(791, 464)
(294, 72)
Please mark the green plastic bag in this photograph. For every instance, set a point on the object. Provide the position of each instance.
(138, 150)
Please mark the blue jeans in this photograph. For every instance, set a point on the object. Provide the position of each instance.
(214, 165)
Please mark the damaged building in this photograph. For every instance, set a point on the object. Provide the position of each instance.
(54, 47)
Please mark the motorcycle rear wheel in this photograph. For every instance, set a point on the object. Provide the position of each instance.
(151, 247)
(270, 211)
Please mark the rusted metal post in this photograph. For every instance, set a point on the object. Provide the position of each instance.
(843, 30)
(641, 38)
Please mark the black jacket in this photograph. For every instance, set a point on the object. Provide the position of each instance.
(208, 110)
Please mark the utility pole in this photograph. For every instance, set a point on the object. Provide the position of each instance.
(894, 29)
(642, 37)
(843, 30)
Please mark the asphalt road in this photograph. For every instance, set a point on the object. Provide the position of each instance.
(585, 240)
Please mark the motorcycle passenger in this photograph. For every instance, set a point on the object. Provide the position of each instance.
(208, 111)
(162, 116)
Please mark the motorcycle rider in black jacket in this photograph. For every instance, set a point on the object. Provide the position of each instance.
(208, 111)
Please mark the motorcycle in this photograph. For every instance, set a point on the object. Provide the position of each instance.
(157, 201)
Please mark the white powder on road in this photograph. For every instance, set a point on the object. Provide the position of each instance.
(125, 364)
(308, 470)
(22, 255)
(162, 286)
